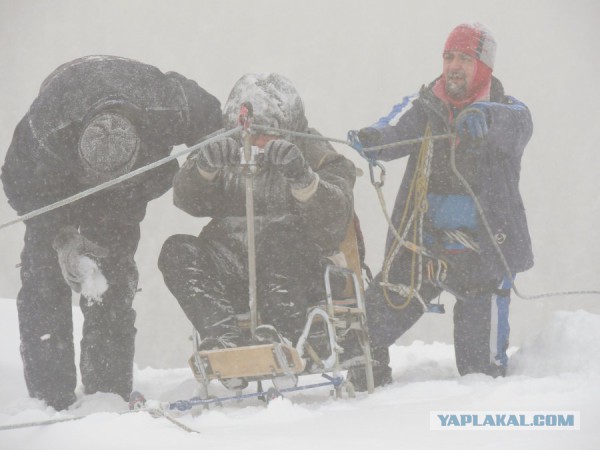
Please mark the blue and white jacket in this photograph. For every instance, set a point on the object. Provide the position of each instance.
(492, 167)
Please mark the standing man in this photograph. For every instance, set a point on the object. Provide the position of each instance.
(447, 243)
(95, 118)
(303, 206)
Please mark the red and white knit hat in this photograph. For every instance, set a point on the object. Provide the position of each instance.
(475, 40)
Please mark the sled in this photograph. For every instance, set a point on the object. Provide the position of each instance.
(329, 327)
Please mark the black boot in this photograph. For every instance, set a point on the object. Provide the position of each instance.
(226, 336)
(60, 403)
(382, 372)
(267, 334)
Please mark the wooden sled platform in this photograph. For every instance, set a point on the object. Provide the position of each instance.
(252, 362)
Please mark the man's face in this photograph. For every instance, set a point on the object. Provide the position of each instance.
(459, 70)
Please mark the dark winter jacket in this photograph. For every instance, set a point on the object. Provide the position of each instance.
(492, 167)
(321, 222)
(42, 164)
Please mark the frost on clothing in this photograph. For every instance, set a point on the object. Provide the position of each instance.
(94, 283)
(95, 118)
(295, 232)
(208, 274)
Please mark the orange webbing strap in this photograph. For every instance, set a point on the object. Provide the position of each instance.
(349, 247)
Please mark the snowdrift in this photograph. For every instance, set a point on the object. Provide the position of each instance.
(569, 344)
(555, 370)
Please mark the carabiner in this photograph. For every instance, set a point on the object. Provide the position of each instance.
(372, 164)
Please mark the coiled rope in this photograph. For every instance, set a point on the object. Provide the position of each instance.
(481, 213)
(417, 198)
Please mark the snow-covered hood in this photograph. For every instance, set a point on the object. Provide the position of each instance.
(275, 101)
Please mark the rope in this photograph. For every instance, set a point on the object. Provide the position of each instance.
(377, 148)
(210, 138)
(481, 213)
(154, 412)
(419, 186)
(276, 131)
(490, 233)
(280, 132)
(40, 423)
(400, 240)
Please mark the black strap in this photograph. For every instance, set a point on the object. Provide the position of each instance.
(502, 292)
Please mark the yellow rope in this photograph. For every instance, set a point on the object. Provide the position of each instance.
(417, 200)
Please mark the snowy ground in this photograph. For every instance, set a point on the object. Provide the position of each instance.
(556, 370)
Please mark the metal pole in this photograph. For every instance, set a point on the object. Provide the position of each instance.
(250, 169)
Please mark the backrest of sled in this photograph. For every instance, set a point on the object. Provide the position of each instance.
(349, 247)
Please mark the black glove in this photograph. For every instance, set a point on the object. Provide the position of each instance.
(216, 155)
(70, 247)
(290, 161)
(472, 123)
(369, 136)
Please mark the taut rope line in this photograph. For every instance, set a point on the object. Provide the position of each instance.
(210, 138)
(276, 131)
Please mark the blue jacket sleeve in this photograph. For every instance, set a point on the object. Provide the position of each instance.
(510, 127)
(406, 120)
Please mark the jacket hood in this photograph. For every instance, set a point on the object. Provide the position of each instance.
(275, 102)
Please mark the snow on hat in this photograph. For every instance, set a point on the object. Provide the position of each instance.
(474, 40)
(108, 147)
(275, 102)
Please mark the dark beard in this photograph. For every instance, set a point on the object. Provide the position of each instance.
(455, 92)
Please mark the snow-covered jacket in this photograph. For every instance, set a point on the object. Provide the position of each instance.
(494, 167)
(42, 164)
(321, 221)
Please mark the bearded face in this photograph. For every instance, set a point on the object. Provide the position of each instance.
(459, 71)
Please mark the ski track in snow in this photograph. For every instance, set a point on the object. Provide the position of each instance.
(555, 370)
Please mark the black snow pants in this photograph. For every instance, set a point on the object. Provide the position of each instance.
(45, 314)
(211, 283)
(389, 317)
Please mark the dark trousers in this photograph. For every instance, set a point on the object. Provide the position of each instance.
(211, 283)
(45, 314)
(389, 316)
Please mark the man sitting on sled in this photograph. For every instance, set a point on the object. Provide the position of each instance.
(303, 205)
